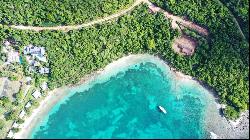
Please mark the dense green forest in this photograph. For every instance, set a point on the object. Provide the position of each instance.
(220, 62)
(240, 9)
(225, 65)
(57, 12)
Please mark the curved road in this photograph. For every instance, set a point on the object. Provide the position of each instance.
(152, 7)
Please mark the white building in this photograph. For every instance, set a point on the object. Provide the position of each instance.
(36, 94)
(28, 80)
(10, 134)
(28, 105)
(21, 115)
(44, 86)
(13, 57)
(15, 125)
(38, 52)
(6, 43)
(44, 70)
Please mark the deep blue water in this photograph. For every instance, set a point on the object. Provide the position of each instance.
(125, 106)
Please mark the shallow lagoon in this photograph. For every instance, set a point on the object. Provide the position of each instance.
(123, 104)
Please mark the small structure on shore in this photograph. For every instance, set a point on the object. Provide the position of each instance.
(36, 94)
(28, 105)
(10, 134)
(15, 125)
(21, 115)
(44, 86)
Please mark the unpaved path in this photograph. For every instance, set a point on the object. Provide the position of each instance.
(75, 27)
(175, 20)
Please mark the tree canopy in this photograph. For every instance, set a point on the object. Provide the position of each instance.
(57, 12)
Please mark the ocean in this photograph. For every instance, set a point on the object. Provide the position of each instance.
(125, 105)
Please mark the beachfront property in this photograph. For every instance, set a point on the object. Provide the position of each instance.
(10, 134)
(44, 86)
(36, 94)
(28, 105)
(15, 125)
(44, 70)
(13, 57)
(21, 115)
(36, 52)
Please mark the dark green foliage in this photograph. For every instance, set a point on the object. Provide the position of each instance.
(15, 130)
(231, 113)
(225, 65)
(20, 121)
(35, 103)
(57, 12)
(240, 9)
(221, 62)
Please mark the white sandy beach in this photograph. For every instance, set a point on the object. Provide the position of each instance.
(111, 69)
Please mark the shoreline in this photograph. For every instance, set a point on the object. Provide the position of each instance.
(111, 69)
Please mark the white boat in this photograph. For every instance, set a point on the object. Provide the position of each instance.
(162, 109)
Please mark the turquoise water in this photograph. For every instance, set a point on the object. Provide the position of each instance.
(125, 106)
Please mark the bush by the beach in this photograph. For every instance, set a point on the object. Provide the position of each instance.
(15, 130)
(20, 121)
(35, 103)
(231, 113)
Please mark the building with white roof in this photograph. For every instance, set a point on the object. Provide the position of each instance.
(10, 134)
(13, 57)
(44, 70)
(28, 80)
(37, 52)
(36, 94)
(6, 43)
(15, 125)
(28, 105)
(44, 86)
(21, 115)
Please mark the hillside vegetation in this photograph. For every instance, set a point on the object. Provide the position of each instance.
(240, 9)
(57, 12)
(220, 62)
(225, 65)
